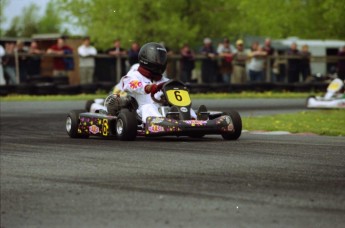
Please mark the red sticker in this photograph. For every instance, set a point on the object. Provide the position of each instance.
(135, 84)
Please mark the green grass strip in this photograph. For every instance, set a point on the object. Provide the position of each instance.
(243, 95)
(324, 122)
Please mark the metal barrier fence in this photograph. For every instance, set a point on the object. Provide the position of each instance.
(43, 85)
(174, 62)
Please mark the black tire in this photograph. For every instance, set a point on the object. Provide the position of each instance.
(237, 122)
(72, 122)
(126, 125)
(88, 105)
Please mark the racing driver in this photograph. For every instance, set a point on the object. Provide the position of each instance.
(147, 80)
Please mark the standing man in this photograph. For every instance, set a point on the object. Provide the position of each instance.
(34, 61)
(270, 53)
(305, 62)
(239, 62)
(61, 65)
(86, 61)
(226, 62)
(117, 52)
(341, 63)
(293, 63)
(133, 54)
(209, 66)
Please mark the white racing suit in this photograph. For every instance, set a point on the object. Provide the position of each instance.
(134, 84)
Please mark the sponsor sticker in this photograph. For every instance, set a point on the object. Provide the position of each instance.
(94, 129)
(135, 84)
(157, 120)
(156, 128)
(196, 122)
(184, 109)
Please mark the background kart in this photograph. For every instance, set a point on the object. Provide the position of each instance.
(122, 121)
(332, 99)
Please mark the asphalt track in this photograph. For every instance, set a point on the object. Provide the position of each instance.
(50, 180)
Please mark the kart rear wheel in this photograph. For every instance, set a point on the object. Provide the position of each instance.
(72, 122)
(126, 125)
(237, 122)
(88, 105)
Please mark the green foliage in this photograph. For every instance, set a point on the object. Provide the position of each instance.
(186, 21)
(28, 23)
(3, 4)
(51, 22)
(180, 21)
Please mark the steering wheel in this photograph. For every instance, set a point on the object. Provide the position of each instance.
(161, 101)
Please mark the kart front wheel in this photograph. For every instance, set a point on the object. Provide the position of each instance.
(126, 125)
(88, 105)
(237, 122)
(72, 123)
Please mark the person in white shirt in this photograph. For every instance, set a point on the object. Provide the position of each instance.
(86, 61)
(2, 78)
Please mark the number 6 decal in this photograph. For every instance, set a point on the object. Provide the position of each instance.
(178, 96)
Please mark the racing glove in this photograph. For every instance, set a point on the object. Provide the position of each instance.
(153, 88)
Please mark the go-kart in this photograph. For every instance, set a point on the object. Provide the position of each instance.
(121, 120)
(332, 99)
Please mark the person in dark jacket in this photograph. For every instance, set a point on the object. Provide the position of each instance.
(293, 63)
(305, 62)
(341, 63)
(133, 53)
(209, 67)
(187, 63)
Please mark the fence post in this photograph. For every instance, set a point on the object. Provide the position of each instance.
(118, 68)
(16, 59)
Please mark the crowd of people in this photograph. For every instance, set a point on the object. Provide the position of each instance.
(226, 63)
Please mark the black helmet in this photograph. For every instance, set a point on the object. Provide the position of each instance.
(153, 57)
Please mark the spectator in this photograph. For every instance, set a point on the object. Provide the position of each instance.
(341, 63)
(209, 68)
(239, 62)
(293, 63)
(257, 63)
(305, 62)
(133, 54)
(2, 78)
(171, 64)
(187, 63)
(117, 51)
(86, 61)
(21, 49)
(226, 61)
(10, 63)
(34, 61)
(61, 65)
(270, 53)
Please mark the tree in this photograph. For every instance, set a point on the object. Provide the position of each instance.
(51, 21)
(28, 23)
(3, 4)
(174, 22)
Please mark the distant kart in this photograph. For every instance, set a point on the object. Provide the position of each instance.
(332, 99)
(121, 120)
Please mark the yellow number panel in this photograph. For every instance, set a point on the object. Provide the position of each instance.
(178, 97)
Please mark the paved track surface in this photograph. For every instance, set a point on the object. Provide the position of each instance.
(50, 180)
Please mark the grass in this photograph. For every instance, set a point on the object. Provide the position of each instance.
(324, 122)
(248, 95)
